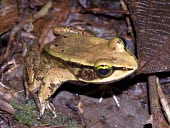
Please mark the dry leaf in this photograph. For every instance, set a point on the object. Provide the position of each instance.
(8, 14)
(152, 25)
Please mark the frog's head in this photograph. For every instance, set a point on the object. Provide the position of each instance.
(110, 64)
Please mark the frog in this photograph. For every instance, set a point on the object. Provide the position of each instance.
(76, 57)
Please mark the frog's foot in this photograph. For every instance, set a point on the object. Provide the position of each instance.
(49, 106)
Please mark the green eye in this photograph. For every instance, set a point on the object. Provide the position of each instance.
(104, 70)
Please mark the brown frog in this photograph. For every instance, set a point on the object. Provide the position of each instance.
(76, 56)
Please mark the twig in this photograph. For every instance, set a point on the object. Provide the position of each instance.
(156, 118)
(124, 7)
(163, 100)
(100, 10)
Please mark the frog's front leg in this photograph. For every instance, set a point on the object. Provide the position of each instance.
(51, 82)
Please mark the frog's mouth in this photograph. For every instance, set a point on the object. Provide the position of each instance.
(89, 74)
(122, 68)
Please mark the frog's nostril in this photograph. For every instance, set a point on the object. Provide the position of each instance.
(56, 45)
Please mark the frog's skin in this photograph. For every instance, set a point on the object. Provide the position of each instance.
(76, 57)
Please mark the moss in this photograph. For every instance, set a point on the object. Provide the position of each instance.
(27, 113)
(73, 124)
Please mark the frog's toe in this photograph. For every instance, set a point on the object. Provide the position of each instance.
(50, 107)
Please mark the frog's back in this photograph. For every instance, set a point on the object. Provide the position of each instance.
(74, 46)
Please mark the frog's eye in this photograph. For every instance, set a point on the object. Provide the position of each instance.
(104, 70)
